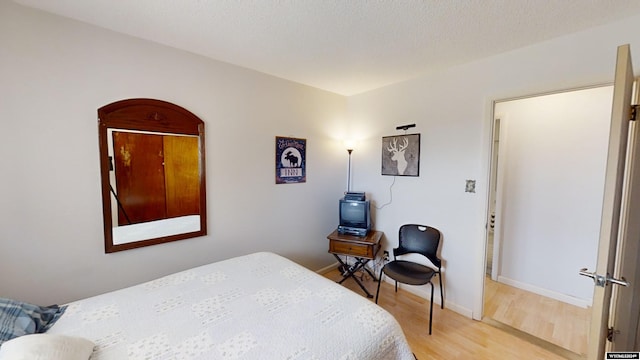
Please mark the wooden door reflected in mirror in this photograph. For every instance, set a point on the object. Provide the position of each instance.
(153, 174)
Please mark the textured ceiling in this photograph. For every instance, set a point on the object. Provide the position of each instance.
(343, 46)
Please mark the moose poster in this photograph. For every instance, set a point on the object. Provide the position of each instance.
(291, 160)
(401, 155)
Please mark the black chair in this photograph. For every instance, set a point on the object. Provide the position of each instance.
(415, 239)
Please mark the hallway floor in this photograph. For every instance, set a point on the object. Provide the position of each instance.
(551, 320)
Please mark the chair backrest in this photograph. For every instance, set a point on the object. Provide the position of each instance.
(419, 239)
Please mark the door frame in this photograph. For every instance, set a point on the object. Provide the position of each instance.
(497, 183)
(488, 145)
(595, 347)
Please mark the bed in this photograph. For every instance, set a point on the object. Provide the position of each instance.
(258, 306)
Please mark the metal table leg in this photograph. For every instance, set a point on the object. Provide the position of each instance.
(351, 270)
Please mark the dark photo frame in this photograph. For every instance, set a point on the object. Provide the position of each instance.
(401, 155)
(291, 160)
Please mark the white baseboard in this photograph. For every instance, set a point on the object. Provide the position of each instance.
(421, 291)
(583, 303)
(425, 293)
(326, 269)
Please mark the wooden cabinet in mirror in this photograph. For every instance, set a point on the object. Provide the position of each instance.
(152, 164)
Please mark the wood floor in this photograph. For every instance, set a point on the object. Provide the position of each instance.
(557, 322)
(454, 336)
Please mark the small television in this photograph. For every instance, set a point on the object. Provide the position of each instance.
(355, 217)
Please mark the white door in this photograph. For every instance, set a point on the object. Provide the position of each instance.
(611, 225)
(626, 299)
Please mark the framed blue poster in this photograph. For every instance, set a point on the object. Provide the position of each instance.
(291, 160)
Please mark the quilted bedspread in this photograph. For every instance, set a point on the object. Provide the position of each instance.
(258, 306)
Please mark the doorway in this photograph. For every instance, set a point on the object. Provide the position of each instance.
(547, 179)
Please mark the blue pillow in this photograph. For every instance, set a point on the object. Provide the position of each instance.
(19, 318)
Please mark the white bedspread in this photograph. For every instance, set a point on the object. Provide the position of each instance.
(155, 229)
(259, 306)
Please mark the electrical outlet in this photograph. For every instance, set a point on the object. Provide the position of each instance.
(470, 186)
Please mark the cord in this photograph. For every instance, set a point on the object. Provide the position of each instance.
(394, 177)
(390, 194)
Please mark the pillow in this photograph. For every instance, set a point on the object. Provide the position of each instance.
(46, 347)
(19, 318)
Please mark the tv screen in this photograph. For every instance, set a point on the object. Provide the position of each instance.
(354, 215)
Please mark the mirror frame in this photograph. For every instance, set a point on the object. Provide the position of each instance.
(154, 116)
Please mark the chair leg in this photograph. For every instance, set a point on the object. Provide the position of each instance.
(396, 286)
(441, 293)
(431, 308)
(379, 282)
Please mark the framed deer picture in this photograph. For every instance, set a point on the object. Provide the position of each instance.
(291, 158)
(401, 155)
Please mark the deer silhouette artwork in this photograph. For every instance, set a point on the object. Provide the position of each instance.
(398, 153)
(293, 160)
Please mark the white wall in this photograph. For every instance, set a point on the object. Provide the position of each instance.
(54, 75)
(452, 110)
(553, 153)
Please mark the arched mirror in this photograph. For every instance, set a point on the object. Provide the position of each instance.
(153, 173)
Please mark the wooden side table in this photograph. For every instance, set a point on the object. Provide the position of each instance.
(362, 248)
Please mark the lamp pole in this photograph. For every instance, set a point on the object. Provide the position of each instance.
(349, 173)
